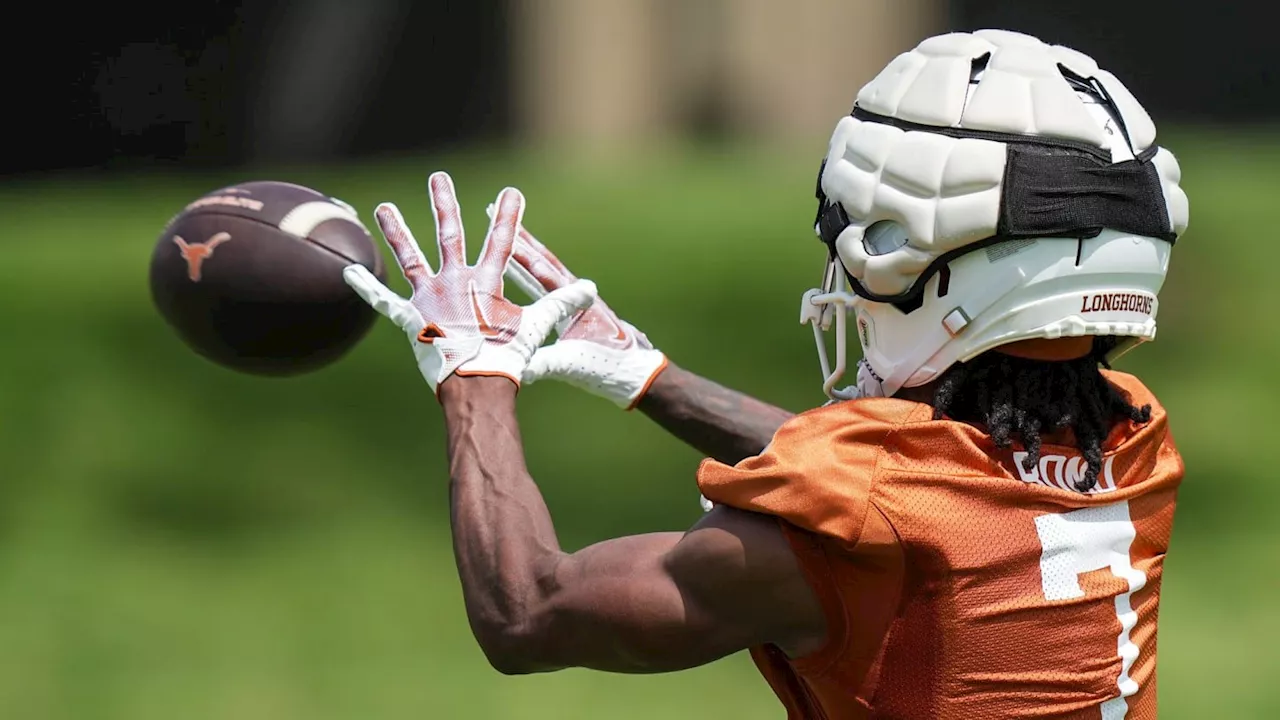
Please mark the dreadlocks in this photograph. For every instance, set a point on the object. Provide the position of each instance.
(1022, 400)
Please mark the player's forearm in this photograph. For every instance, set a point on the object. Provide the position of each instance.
(504, 541)
(725, 424)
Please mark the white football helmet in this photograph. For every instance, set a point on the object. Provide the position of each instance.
(987, 189)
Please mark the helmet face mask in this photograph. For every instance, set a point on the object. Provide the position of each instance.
(948, 238)
(826, 308)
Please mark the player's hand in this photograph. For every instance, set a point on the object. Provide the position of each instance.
(457, 319)
(596, 350)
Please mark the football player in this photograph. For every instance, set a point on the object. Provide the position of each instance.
(976, 528)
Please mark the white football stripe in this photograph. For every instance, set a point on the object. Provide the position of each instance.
(306, 217)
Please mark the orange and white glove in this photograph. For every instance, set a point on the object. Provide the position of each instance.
(457, 319)
(596, 350)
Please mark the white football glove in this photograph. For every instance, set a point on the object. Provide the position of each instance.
(457, 319)
(596, 351)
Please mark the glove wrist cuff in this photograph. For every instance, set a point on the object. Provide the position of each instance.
(630, 378)
(635, 399)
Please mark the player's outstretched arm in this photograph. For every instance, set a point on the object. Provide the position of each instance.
(648, 603)
(599, 352)
(724, 424)
(640, 604)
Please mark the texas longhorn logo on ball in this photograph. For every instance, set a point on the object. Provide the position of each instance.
(196, 253)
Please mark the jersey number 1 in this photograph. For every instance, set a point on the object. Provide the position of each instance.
(1085, 540)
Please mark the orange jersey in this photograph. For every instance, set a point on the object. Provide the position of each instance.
(958, 585)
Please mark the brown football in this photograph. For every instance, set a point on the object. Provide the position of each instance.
(250, 277)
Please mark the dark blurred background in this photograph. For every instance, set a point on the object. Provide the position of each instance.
(177, 540)
(218, 82)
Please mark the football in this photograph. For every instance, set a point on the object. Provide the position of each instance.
(250, 277)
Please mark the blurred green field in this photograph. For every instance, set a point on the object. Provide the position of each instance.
(180, 541)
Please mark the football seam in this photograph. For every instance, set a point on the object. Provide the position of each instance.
(307, 240)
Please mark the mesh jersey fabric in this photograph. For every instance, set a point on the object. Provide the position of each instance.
(957, 584)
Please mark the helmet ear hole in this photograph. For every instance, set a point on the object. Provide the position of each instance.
(884, 237)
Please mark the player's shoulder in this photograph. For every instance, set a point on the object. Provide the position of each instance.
(818, 470)
(860, 420)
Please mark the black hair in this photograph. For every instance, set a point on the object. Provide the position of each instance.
(1019, 399)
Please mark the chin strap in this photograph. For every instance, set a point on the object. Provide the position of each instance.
(869, 384)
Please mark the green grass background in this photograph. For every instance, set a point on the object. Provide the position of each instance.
(177, 540)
